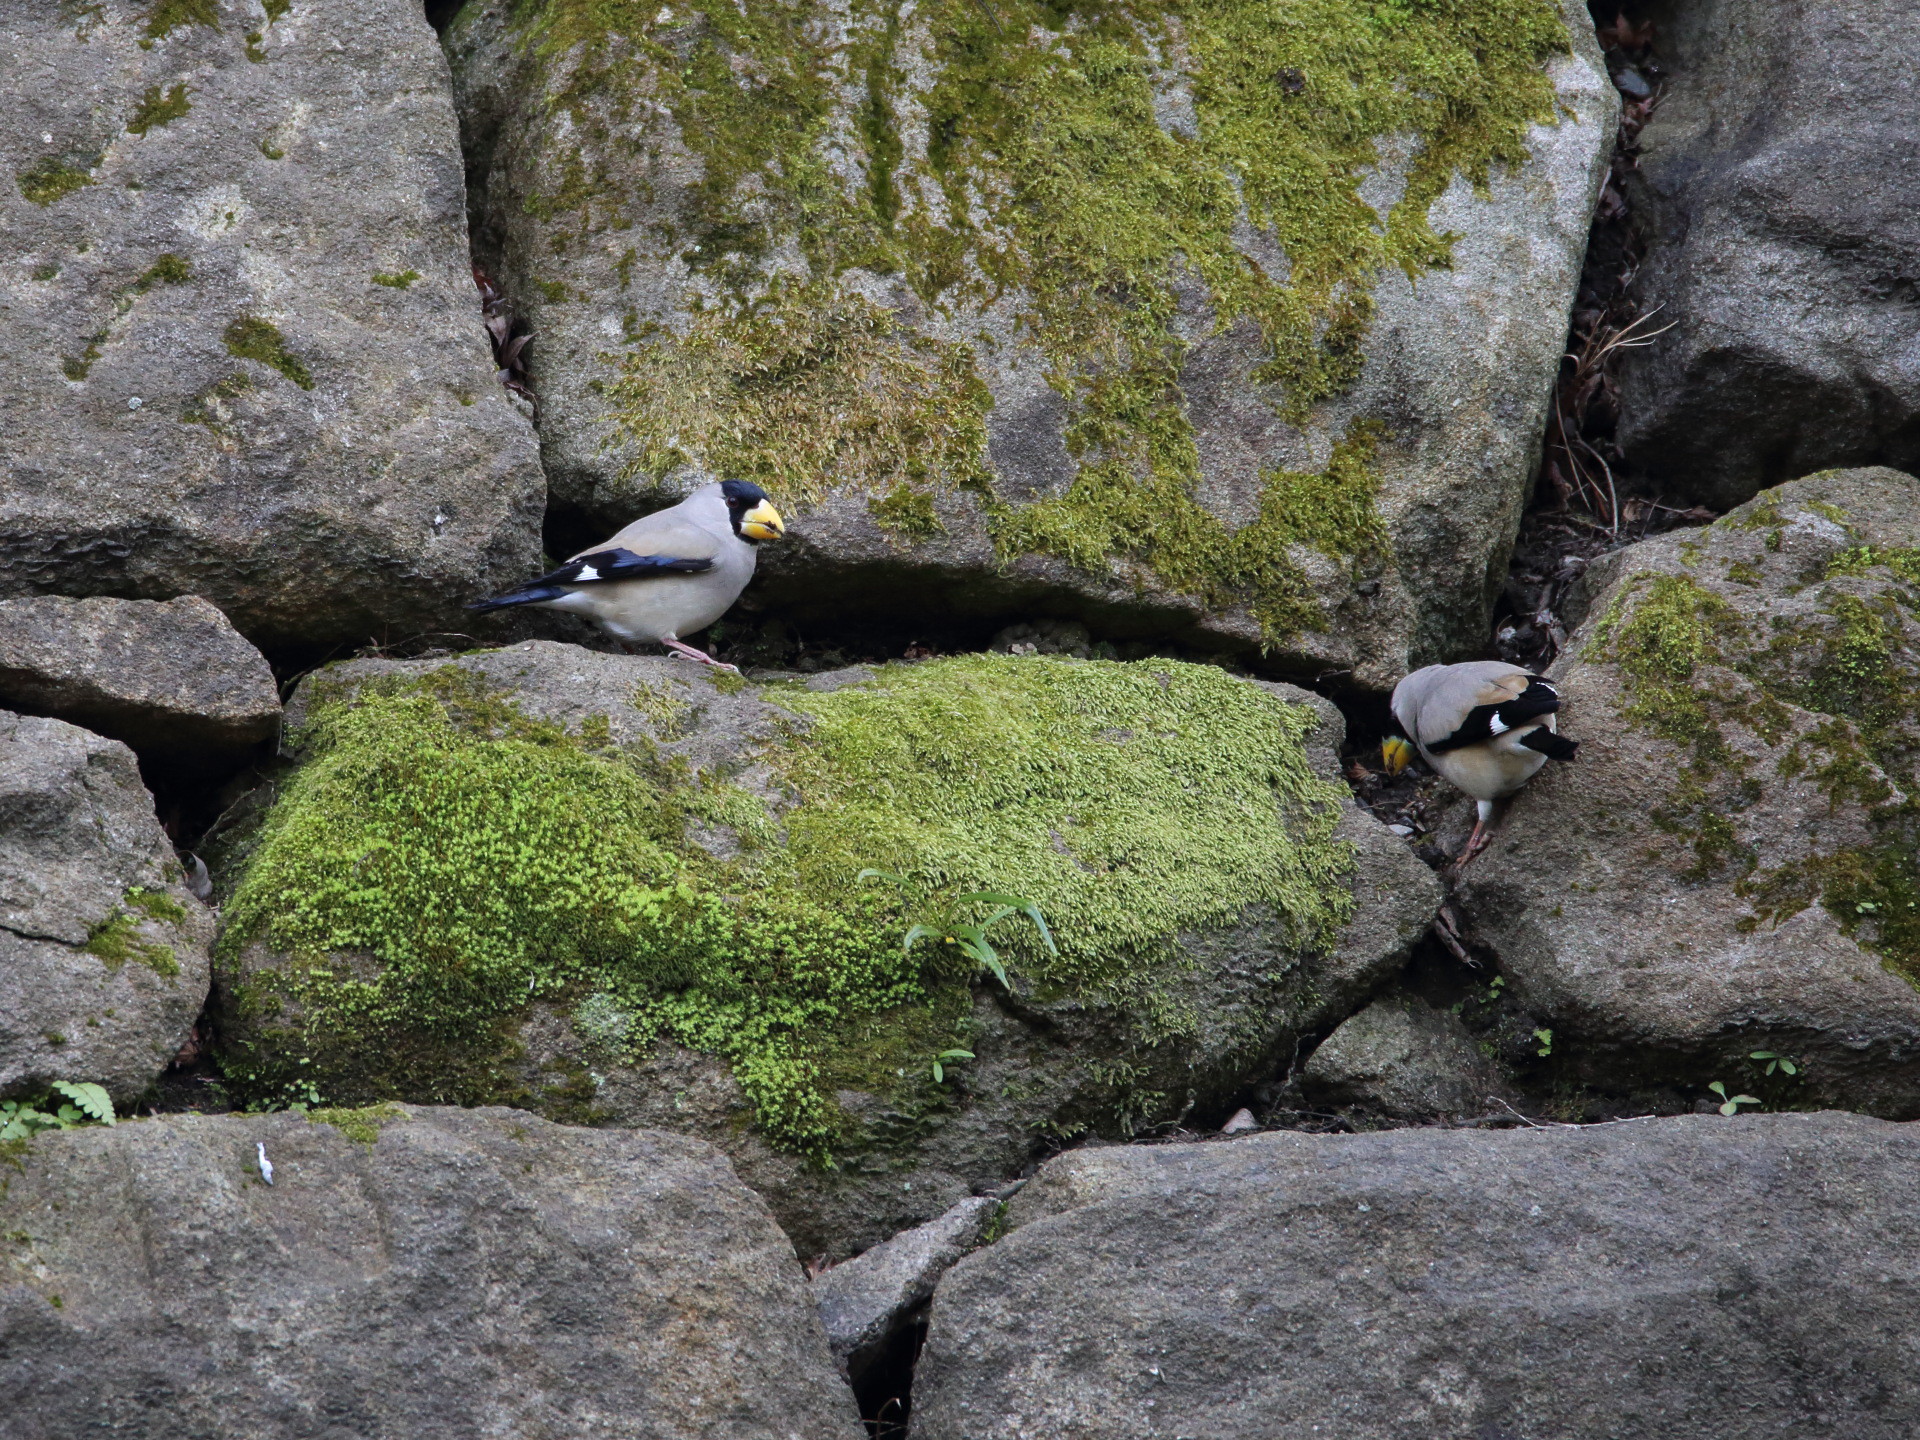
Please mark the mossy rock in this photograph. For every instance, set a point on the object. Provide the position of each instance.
(1732, 866)
(618, 890)
(1221, 320)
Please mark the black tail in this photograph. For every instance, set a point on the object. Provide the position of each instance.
(525, 595)
(1554, 747)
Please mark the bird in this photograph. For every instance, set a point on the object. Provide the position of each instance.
(1485, 725)
(668, 574)
(266, 1165)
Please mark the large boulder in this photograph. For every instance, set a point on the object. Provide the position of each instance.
(1778, 189)
(621, 890)
(1743, 1279)
(1732, 864)
(173, 680)
(1229, 324)
(103, 951)
(250, 362)
(408, 1273)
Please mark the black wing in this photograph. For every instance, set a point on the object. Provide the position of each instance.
(1484, 722)
(1554, 747)
(594, 569)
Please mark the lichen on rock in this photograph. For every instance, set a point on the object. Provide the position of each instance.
(483, 859)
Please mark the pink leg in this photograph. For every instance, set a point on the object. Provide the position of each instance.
(679, 648)
(1476, 842)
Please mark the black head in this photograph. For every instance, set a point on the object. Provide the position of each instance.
(753, 516)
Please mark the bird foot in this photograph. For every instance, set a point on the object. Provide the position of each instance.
(689, 653)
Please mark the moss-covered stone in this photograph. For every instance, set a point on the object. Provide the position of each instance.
(157, 108)
(1731, 867)
(473, 892)
(846, 239)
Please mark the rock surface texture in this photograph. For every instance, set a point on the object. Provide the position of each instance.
(250, 364)
(172, 680)
(867, 1300)
(1777, 189)
(1731, 865)
(612, 888)
(103, 952)
(1114, 317)
(1734, 1279)
(418, 1274)
(1402, 1059)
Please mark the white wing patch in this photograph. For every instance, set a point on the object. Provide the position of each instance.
(1497, 725)
(587, 572)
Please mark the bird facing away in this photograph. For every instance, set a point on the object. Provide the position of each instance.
(668, 574)
(1486, 726)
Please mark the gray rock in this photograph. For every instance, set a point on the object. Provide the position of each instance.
(249, 362)
(1403, 1059)
(1729, 866)
(172, 680)
(628, 217)
(417, 1274)
(1778, 187)
(103, 950)
(864, 1302)
(1738, 1279)
(1192, 1017)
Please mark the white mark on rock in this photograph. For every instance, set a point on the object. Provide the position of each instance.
(134, 402)
(266, 1165)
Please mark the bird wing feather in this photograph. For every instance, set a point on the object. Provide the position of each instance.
(667, 534)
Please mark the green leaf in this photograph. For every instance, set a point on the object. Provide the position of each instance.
(92, 1099)
(956, 1054)
(1789, 1067)
(1016, 903)
(1763, 1055)
(938, 1074)
(1718, 1088)
(871, 874)
(916, 935)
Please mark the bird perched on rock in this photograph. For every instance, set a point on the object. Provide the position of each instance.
(1485, 725)
(668, 574)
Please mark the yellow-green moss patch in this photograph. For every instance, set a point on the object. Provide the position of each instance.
(251, 338)
(441, 862)
(157, 109)
(51, 180)
(362, 1126)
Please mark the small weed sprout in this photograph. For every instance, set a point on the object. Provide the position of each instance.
(1730, 1104)
(1775, 1061)
(939, 1073)
(971, 940)
(1545, 1037)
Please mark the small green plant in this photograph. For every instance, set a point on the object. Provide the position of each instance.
(1782, 1063)
(971, 940)
(939, 1072)
(1730, 1104)
(397, 280)
(85, 1104)
(1545, 1037)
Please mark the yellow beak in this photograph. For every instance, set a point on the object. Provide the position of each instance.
(762, 522)
(1396, 754)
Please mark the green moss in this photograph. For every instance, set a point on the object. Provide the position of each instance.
(435, 831)
(78, 367)
(1045, 183)
(275, 8)
(117, 939)
(906, 512)
(398, 280)
(167, 270)
(802, 391)
(251, 338)
(167, 16)
(51, 180)
(45, 272)
(156, 109)
(362, 1126)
